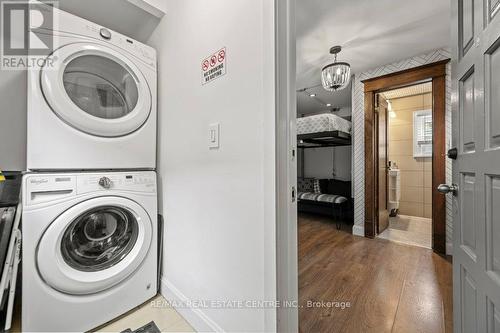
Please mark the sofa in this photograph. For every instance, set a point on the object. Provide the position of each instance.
(328, 197)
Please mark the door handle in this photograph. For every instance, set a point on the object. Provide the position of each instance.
(445, 189)
(452, 153)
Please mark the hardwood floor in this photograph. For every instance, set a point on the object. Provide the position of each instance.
(378, 285)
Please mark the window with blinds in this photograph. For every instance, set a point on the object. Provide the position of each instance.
(422, 133)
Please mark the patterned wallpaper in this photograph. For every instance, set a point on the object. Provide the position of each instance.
(358, 133)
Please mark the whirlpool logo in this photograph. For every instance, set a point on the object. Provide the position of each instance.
(39, 181)
(24, 44)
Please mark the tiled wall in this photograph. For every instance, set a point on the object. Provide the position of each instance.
(416, 173)
(358, 109)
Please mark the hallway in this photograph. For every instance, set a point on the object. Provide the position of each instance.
(379, 286)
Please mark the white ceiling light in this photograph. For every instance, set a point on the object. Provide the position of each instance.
(336, 76)
(328, 104)
(312, 95)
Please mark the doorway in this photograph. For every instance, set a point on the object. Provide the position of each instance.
(404, 126)
(427, 155)
(382, 280)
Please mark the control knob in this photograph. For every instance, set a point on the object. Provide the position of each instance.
(105, 182)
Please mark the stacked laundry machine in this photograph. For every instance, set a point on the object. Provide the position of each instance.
(89, 222)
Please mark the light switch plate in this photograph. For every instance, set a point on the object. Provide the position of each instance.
(213, 135)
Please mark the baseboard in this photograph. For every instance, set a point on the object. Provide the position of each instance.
(195, 317)
(449, 249)
(358, 230)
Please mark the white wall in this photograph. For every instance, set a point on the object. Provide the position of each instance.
(13, 120)
(218, 204)
(13, 106)
(331, 162)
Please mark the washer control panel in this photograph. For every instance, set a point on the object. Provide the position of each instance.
(46, 188)
(39, 188)
(127, 181)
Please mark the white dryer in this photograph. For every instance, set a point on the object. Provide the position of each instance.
(93, 103)
(89, 248)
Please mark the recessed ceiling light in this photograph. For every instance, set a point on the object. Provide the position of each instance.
(312, 95)
(328, 104)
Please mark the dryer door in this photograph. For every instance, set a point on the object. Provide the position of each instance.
(94, 245)
(96, 89)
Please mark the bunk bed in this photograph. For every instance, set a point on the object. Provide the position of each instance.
(323, 130)
(328, 197)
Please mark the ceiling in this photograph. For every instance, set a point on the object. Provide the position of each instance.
(307, 104)
(414, 90)
(371, 33)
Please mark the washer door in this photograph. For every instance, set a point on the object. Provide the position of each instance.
(94, 245)
(97, 90)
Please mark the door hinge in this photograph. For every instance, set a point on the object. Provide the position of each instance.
(293, 194)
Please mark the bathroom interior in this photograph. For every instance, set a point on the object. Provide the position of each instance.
(409, 164)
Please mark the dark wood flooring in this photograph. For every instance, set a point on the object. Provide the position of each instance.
(390, 287)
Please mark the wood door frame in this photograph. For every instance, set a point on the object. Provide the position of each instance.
(437, 73)
(377, 162)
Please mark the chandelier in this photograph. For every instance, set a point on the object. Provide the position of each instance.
(336, 76)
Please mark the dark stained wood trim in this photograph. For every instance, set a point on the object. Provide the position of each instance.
(435, 72)
(407, 76)
(382, 212)
(438, 163)
(370, 184)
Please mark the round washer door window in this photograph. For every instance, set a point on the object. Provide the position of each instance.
(99, 238)
(96, 89)
(94, 245)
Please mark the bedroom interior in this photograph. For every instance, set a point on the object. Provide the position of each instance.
(324, 142)
(319, 191)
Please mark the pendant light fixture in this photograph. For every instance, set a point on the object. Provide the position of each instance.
(336, 76)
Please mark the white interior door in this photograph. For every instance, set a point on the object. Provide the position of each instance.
(476, 171)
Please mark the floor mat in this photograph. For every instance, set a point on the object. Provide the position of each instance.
(148, 328)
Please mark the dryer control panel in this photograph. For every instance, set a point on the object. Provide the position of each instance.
(70, 24)
(147, 53)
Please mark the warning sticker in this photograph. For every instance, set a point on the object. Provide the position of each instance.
(213, 66)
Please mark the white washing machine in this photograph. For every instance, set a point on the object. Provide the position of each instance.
(89, 248)
(93, 103)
